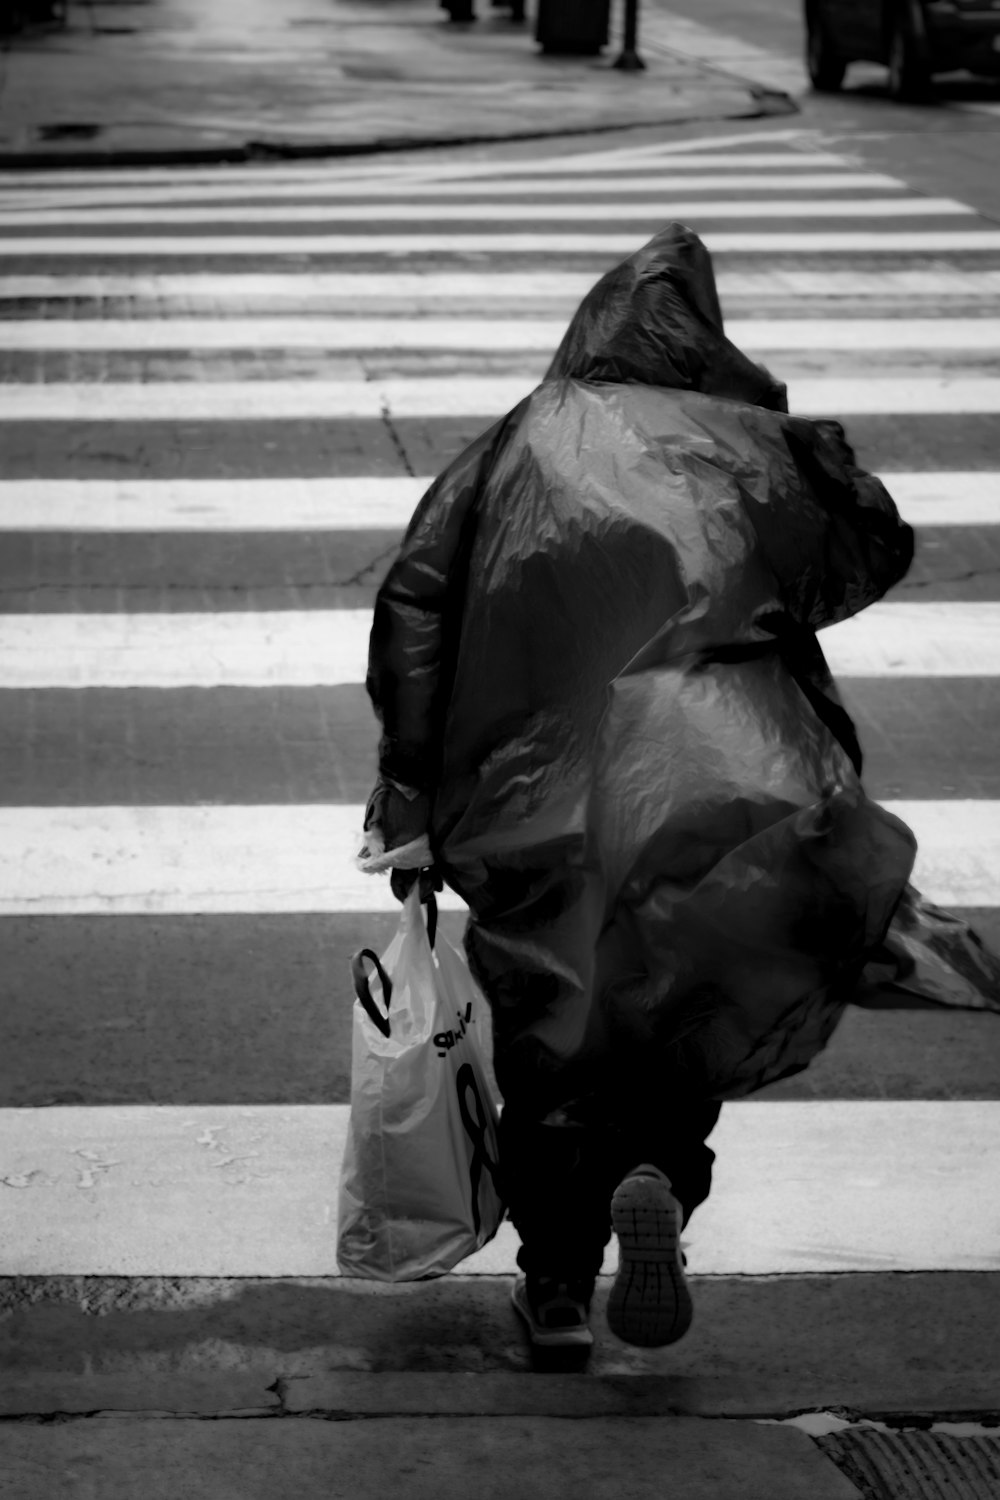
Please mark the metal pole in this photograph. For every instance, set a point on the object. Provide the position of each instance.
(630, 61)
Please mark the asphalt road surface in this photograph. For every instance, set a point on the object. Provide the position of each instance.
(223, 391)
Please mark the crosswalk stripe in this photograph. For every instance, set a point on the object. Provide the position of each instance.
(917, 640)
(687, 179)
(396, 175)
(294, 648)
(135, 1190)
(157, 860)
(593, 209)
(313, 648)
(353, 503)
(473, 334)
(430, 396)
(935, 498)
(563, 289)
(946, 498)
(777, 242)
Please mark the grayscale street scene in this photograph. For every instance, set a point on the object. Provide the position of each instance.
(266, 272)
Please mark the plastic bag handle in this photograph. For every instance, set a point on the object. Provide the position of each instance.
(432, 917)
(363, 989)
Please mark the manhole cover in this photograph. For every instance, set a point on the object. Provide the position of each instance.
(916, 1465)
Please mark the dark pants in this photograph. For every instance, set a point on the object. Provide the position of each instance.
(617, 1103)
(559, 1178)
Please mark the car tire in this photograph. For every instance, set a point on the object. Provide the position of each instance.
(824, 64)
(909, 75)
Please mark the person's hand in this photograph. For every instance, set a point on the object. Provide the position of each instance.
(401, 815)
(402, 883)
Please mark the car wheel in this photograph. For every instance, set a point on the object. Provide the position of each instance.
(825, 65)
(909, 75)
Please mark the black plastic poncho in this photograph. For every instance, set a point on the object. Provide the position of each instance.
(597, 650)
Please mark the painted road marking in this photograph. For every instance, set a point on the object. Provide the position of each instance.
(916, 640)
(701, 176)
(328, 648)
(936, 498)
(479, 335)
(946, 498)
(395, 175)
(821, 242)
(561, 288)
(431, 396)
(154, 859)
(291, 647)
(350, 504)
(159, 860)
(803, 1186)
(505, 213)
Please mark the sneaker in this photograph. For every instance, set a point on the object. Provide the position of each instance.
(556, 1312)
(650, 1303)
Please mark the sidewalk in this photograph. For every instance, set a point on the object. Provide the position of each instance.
(167, 80)
(325, 1387)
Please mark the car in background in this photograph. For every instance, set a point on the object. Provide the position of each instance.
(914, 38)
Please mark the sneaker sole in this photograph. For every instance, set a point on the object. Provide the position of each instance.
(551, 1338)
(650, 1303)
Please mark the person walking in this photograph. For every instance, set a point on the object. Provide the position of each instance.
(603, 703)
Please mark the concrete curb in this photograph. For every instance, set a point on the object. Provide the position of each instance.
(760, 104)
(872, 1345)
(172, 92)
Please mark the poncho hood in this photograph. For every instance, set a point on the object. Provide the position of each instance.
(656, 320)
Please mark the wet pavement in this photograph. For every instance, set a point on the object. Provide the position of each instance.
(143, 80)
(230, 1383)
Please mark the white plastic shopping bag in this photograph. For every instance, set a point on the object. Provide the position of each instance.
(418, 1185)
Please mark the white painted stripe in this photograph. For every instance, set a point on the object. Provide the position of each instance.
(349, 504)
(613, 182)
(899, 395)
(593, 210)
(806, 242)
(276, 332)
(480, 335)
(288, 647)
(251, 400)
(795, 137)
(430, 396)
(946, 498)
(859, 333)
(307, 648)
(563, 288)
(958, 853)
(799, 1186)
(937, 498)
(917, 640)
(683, 156)
(159, 860)
(297, 858)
